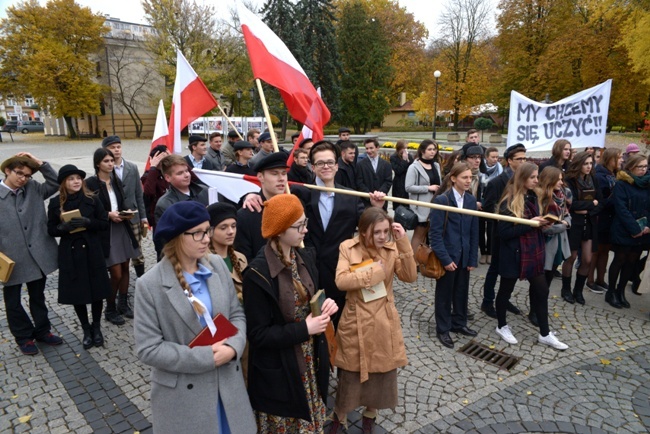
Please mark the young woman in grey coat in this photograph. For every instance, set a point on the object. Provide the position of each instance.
(200, 389)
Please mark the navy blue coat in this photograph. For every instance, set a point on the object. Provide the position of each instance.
(459, 243)
(510, 244)
(631, 203)
(606, 216)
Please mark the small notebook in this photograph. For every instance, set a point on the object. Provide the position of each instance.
(127, 214)
(225, 329)
(551, 218)
(316, 302)
(377, 290)
(643, 222)
(588, 195)
(6, 267)
(69, 215)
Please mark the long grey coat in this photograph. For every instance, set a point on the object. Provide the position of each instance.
(417, 186)
(555, 234)
(133, 198)
(184, 381)
(23, 229)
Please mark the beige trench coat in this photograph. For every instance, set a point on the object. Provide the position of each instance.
(369, 335)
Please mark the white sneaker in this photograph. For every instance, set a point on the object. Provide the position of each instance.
(552, 341)
(506, 334)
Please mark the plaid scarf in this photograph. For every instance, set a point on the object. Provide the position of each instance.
(531, 243)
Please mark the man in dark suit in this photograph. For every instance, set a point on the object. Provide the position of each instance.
(198, 150)
(373, 172)
(346, 175)
(333, 218)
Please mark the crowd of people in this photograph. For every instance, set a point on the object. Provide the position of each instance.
(260, 263)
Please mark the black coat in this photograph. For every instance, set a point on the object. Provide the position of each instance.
(606, 216)
(274, 383)
(369, 181)
(631, 203)
(346, 175)
(553, 163)
(400, 166)
(96, 185)
(341, 227)
(300, 174)
(578, 221)
(249, 239)
(83, 277)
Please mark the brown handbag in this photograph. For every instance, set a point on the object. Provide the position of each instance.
(427, 260)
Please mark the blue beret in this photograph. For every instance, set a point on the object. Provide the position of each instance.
(110, 140)
(272, 161)
(178, 218)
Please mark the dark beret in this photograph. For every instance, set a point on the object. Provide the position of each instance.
(195, 138)
(242, 144)
(510, 150)
(344, 130)
(232, 134)
(179, 218)
(110, 140)
(272, 161)
(473, 150)
(158, 148)
(264, 137)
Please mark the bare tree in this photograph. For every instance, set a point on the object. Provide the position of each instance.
(463, 28)
(134, 83)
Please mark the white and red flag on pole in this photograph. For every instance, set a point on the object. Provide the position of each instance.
(160, 131)
(306, 133)
(192, 99)
(272, 62)
(230, 185)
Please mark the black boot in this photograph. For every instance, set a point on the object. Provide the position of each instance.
(87, 340)
(139, 269)
(566, 290)
(123, 307)
(611, 297)
(98, 337)
(622, 299)
(112, 315)
(577, 289)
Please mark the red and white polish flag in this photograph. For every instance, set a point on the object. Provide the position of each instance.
(160, 131)
(306, 133)
(192, 99)
(272, 62)
(231, 185)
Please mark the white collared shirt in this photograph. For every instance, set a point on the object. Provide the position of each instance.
(119, 170)
(459, 198)
(198, 164)
(325, 204)
(374, 162)
(2, 182)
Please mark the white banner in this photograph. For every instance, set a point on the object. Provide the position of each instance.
(580, 118)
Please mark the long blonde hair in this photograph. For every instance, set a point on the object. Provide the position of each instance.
(171, 251)
(515, 193)
(63, 193)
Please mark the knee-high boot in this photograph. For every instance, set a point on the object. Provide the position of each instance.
(621, 296)
(577, 289)
(566, 290)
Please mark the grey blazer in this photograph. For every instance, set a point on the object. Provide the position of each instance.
(417, 186)
(133, 198)
(185, 383)
(23, 229)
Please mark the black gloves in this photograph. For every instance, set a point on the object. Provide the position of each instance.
(65, 226)
(80, 222)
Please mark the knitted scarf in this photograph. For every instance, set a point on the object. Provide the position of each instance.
(558, 206)
(531, 243)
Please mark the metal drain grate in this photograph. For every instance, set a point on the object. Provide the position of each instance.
(494, 357)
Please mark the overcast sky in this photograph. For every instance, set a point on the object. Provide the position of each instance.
(425, 11)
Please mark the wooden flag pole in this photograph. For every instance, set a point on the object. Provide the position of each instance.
(471, 212)
(229, 122)
(269, 124)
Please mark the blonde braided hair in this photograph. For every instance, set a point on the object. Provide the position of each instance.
(235, 262)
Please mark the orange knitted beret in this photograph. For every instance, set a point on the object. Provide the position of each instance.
(280, 212)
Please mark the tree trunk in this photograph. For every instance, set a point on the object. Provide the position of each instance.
(71, 131)
(285, 120)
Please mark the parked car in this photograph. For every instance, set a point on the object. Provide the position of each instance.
(10, 127)
(31, 127)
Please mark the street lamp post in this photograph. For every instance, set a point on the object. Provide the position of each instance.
(239, 94)
(252, 92)
(436, 74)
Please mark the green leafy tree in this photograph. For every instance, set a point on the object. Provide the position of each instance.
(318, 59)
(46, 51)
(367, 74)
(483, 124)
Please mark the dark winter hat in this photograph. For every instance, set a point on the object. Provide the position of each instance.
(23, 160)
(264, 137)
(511, 150)
(178, 218)
(242, 144)
(67, 170)
(304, 142)
(232, 134)
(344, 130)
(272, 161)
(110, 140)
(474, 150)
(194, 138)
(295, 135)
(157, 149)
(221, 211)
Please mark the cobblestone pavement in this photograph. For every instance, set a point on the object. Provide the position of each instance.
(600, 384)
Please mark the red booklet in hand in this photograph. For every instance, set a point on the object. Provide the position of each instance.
(225, 329)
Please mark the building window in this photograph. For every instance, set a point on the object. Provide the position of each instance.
(29, 101)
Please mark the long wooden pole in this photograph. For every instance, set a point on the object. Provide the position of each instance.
(269, 124)
(229, 122)
(472, 212)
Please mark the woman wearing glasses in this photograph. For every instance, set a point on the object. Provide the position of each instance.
(288, 365)
(199, 389)
(629, 230)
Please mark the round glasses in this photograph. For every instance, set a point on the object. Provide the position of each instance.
(200, 235)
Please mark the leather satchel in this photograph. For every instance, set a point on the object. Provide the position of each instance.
(427, 261)
(406, 217)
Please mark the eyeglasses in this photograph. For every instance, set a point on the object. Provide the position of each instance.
(328, 163)
(301, 226)
(22, 175)
(473, 157)
(199, 235)
(642, 167)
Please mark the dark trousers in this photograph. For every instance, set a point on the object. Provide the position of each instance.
(622, 268)
(492, 274)
(452, 291)
(538, 292)
(20, 324)
(485, 235)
